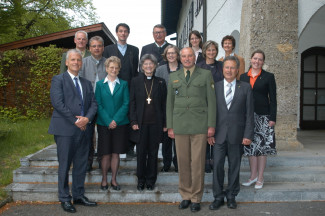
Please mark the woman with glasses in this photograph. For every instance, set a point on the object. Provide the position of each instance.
(195, 41)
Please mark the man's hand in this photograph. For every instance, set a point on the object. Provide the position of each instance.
(171, 133)
(135, 127)
(211, 131)
(82, 122)
(211, 140)
(246, 141)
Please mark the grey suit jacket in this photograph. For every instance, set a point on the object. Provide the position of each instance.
(237, 122)
(66, 104)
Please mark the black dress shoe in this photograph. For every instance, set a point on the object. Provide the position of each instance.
(195, 207)
(115, 187)
(68, 207)
(150, 187)
(184, 204)
(215, 205)
(140, 186)
(231, 203)
(164, 169)
(84, 201)
(104, 187)
(176, 169)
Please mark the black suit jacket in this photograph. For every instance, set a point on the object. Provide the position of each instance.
(138, 99)
(264, 92)
(217, 73)
(157, 52)
(238, 122)
(129, 61)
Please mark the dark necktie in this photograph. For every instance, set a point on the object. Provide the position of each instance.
(80, 96)
(188, 75)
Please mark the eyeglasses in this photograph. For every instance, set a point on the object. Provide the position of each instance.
(192, 39)
(94, 46)
(160, 32)
(171, 53)
(148, 64)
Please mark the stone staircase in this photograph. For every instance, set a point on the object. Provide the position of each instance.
(290, 176)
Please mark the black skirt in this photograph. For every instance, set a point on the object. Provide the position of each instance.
(112, 140)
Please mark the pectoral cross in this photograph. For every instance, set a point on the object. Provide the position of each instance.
(148, 99)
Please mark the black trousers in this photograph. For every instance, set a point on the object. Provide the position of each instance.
(72, 149)
(147, 153)
(168, 147)
(234, 153)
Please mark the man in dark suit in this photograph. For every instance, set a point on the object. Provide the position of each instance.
(191, 118)
(157, 48)
(129, 56)
(74, 107)
(235, 128)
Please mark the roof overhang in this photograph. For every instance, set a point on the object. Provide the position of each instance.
(62, 39)
(170, 14)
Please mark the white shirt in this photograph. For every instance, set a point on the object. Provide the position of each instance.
(72, 77)
(225, 87)
(111, 84)
(161, 45)
(197, 53)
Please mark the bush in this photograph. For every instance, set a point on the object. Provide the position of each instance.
(25, 79)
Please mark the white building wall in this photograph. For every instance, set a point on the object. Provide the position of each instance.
(223, 18)
(306, 9)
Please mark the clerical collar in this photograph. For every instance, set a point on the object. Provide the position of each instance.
(149, 78)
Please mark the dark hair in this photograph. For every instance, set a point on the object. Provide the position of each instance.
(197, 34)
(206, 46)
(258, 51)
(170, 47)
(232, 58)
(148, 57)
(123, 25)
(229, 37)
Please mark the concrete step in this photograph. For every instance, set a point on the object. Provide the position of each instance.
(128, 176)
(272, 192)
(48, 157)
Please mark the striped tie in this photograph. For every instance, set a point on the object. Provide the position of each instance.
(228, 95)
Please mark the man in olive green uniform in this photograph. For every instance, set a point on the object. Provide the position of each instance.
(191, 118)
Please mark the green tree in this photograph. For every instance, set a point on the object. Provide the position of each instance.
(22, 19)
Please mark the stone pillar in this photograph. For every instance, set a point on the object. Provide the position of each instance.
(272, 26)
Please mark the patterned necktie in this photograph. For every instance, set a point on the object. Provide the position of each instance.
(188, 75)
(80, 96)
(229, 95)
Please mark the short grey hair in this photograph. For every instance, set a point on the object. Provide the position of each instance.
(159, 26)
(232, 58)
(148, 57)
(72, 51)
(81, 31)
(96, 38)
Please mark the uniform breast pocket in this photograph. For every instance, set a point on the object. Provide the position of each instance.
(197, 87)
(177, 88)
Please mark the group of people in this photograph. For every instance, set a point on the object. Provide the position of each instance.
(200, 109)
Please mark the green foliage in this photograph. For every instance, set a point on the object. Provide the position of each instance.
(25, 81)
(19, 139)
(25, 18)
